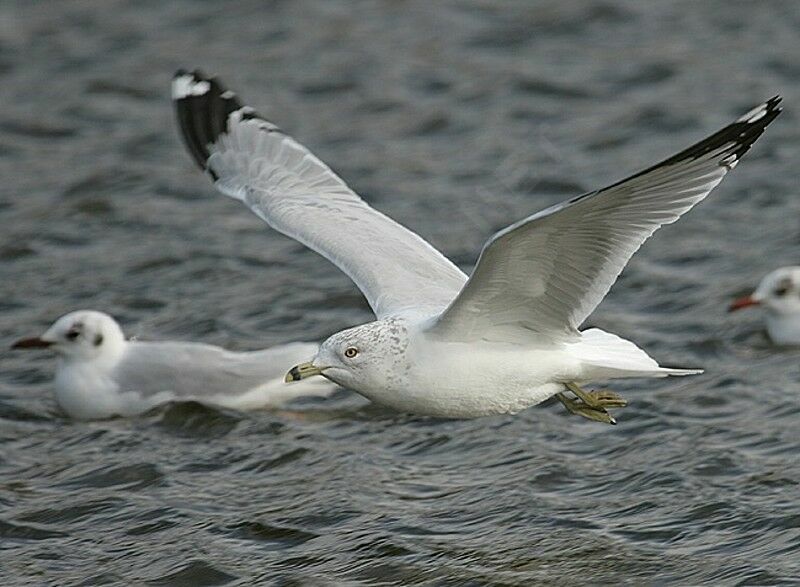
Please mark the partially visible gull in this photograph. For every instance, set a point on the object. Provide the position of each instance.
(779, 294)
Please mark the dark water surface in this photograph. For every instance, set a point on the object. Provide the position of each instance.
(455, 118)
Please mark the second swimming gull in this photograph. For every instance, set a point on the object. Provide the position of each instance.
(779, 294)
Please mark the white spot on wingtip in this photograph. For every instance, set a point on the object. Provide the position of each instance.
(730, 162)
(754, 115)
(227, 95)
(236, 115)
(186, 85)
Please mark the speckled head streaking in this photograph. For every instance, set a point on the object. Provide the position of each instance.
(779, 294)
(370, 356)
(83, 335)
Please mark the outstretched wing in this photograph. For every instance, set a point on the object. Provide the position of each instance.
(541, 277)
(252, 160)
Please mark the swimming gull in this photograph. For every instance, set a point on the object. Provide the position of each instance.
(100, 374)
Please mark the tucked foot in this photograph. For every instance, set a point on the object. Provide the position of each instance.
(606, 398)
(580, 408)
(602, 398)
(592, 404)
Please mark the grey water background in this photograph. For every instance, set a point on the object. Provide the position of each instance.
(455, 118)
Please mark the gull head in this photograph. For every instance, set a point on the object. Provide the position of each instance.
(778, 292)
(362, 358)
(84, 335)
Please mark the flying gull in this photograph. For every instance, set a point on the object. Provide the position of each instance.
(444, 344)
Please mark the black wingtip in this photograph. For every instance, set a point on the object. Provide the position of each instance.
(202, 106)
(746, 129)
(774, 102)
(739, 136)
(729, 143)
(767, 108)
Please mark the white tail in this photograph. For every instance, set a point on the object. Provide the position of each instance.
(606, 355)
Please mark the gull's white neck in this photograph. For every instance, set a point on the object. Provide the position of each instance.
(85, 387)
(783, 328)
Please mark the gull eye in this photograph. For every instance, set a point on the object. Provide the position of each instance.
(73, 334)
(350, 352)
(781, 291)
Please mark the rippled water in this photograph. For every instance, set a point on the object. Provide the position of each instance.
(456, 119)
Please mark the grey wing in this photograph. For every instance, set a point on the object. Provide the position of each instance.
(197, 370)
(543, 276)
(250, 159)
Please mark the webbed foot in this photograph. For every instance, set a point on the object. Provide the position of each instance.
(579, 408)
(606, 398)
(592, 404)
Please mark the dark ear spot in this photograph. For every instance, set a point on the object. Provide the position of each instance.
(783, 287)
(98, 340)
(75, 331)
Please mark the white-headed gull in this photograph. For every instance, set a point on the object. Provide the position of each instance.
(443, 344)
(779, 294)
(100, 374)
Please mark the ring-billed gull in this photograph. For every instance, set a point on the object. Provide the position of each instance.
(100, 374)
(779, 294)
(443, 344)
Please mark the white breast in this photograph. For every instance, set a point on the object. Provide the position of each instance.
(783, 328)
(85, 392)
(468, 380)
